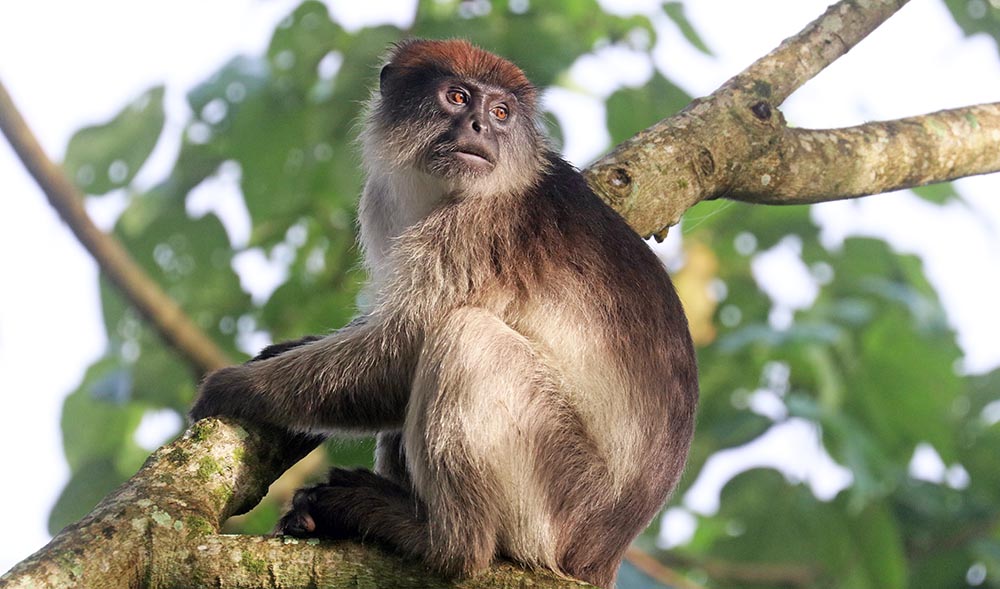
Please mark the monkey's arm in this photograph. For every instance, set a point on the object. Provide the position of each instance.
(355, 379)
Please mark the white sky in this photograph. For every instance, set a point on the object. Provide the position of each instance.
(68, 64)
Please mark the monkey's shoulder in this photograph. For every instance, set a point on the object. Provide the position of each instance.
(582, 218)
(563, 188)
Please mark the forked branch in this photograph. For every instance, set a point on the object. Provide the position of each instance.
(736, 144)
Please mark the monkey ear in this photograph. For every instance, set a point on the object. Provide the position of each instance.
(385, 78)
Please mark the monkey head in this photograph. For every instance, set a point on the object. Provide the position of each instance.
(457, 113)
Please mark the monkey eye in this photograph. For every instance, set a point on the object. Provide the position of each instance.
(457, 97)
(500, 112)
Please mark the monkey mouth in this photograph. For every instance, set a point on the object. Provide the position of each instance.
(461, 159)
(474, 157)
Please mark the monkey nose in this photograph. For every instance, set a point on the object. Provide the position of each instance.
(476, 126)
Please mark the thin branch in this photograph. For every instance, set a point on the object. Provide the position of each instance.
(965, 535)
(762, 573)
(657, 570)
(799, 58)
(138, 288)
(810, 166)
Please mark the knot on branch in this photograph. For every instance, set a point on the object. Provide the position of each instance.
(614, 184)
(761, 110)
(704, 162)
(620, 178)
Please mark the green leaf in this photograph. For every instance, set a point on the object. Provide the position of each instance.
(940, 193)
(544, 40)
(879, 545)
(946, 569)
(760, 511)
(88, 485)
(766, 522)
(800, 333)
(301, 41)
(675, 10)
(351, 452)
(241, 78)
(104, 157)
(97, 419)
(906, 388)
(976, 16)
(631, 110)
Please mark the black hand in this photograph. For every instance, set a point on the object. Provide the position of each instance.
(228, 391)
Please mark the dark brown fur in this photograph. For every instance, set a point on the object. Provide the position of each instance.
(526, 362)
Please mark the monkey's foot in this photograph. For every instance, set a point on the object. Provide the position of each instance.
(295, 524)
(322, 510)
(298, 521)
(337, 508)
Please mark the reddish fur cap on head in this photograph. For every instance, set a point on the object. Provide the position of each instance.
(459, 58)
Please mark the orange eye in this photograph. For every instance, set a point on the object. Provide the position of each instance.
(500, 113)
(457, 97)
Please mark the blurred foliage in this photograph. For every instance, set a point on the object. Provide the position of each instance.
(976, 16)
(870, 364)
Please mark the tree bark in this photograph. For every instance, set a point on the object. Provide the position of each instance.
(160, 529)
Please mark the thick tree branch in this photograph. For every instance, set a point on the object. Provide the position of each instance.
(115, 262)
(736, 144)
(180, 496)
(807, 166)
(241, 561)
(160, 529)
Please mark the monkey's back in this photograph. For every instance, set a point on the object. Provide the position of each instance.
(606, 315)
(611, 312)
(567, 272)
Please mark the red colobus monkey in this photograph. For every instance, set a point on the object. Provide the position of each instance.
(526, 362)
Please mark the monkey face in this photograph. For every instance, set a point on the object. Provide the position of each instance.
(456, 114)
(478, 116)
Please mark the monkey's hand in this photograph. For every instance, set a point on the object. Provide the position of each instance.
(229, 392)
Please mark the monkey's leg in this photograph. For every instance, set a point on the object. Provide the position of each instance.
(390, 460)
(480, 402)
(481, 415)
